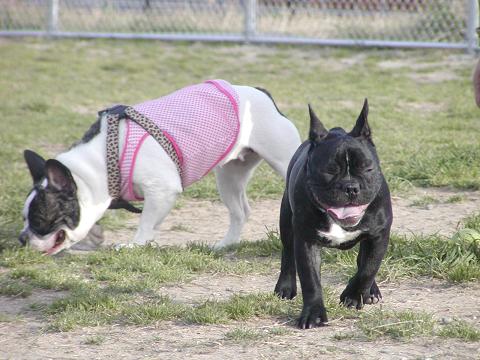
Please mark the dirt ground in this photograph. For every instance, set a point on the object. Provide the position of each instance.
(24, 337)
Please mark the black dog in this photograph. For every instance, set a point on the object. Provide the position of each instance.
(335, 196)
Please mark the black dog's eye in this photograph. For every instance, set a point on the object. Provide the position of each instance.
(369, 170)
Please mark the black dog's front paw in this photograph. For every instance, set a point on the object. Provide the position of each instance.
(285, 289)
(352, 297)
(311, 316)
(375, 295)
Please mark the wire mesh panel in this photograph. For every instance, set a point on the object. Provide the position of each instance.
(126, 16)
(399, 20)
(436, 23)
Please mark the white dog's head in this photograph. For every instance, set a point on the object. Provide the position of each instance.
(52, 210)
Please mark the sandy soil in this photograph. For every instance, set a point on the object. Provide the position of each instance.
(24, 337)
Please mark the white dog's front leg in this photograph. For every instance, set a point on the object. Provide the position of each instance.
(155, 209)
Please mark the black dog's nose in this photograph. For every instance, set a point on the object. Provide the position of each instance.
(352, 189)
(23, 238)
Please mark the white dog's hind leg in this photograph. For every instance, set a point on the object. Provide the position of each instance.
(232, 179)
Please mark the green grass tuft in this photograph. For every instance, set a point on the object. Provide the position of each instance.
(424, 201)
(456, 259)
(209, 312)
(245, 335)
(270, 246)
(94, 340)
(455, 199)
(460, 329)
(472, 222)
(14, 288)
(395, 324)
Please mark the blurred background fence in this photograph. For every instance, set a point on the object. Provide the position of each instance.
(385, 23)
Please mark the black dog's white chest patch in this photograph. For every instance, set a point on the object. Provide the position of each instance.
(337, 235)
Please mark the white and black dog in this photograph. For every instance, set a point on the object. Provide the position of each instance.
(71, 192)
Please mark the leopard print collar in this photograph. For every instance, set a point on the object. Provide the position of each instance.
(113, 118)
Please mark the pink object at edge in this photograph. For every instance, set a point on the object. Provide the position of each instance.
(200, 120)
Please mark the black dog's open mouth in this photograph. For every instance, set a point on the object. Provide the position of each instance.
(59, 240)
(348, 215)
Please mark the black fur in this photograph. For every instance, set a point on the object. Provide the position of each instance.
(319, 177)
(93, 131)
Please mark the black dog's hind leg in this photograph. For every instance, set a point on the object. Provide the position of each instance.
(286, 286)
(362, 288)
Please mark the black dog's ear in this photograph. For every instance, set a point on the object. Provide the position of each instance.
(36, 165)
(59, 177)
(361, 128)
(317, 130)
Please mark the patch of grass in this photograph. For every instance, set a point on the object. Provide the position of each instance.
(147, 265)
(472, 222)
(95, 306)
(94, 340)
(244, 307)
(36, 107)
(6, 318)
(395, 324)
(48, 277)
(424, 201)
(450, 164)
(180, 227)
(347, 335)
(460, 329)
(278, 331)
(270, 246)
(455, 199)
(117, 286)
(245, 335)
(456, 259)
(11, 287)
(23, 256)
(209, 312)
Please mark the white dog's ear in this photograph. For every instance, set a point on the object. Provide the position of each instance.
(59, 177)
(361, 128)
(36, 165)
(317, 130)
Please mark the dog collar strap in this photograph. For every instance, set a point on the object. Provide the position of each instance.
(113, 119)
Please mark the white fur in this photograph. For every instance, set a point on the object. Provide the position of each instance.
(264, 134)
(337, 235)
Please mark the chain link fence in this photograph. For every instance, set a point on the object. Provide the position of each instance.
(385, 23)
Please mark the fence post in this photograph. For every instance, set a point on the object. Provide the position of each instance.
(250, 19)
(472, 16)
(52, 17)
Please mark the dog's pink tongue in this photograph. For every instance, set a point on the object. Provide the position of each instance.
(348, 211)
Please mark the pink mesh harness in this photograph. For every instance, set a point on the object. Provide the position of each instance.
(202, 123)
